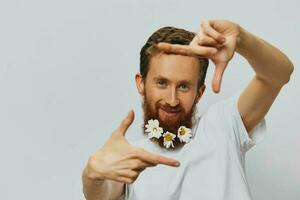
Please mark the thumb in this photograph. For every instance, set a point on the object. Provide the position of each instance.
(217, 78)
(127, 121)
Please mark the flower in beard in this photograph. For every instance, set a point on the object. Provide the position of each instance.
(184, 134)
(170, 124)
(153, 129)
(168, 139)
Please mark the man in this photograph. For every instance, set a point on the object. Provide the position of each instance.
(190, 157)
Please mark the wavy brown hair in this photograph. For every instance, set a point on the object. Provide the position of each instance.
(170, 35)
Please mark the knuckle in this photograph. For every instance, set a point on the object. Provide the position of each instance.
(132, 153)
(133, 174)
(92, 162)
(129, 180)
(200, 39)
(132, 164)
(92, 172)
(92, 176)
(136, 164)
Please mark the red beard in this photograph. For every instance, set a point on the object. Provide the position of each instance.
(170, 124)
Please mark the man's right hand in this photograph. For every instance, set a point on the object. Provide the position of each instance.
(119, 161)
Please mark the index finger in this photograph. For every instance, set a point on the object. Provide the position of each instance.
(187, 50)
(156, 159)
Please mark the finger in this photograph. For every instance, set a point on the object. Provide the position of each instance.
(140, 165)
(217, 77)
(209, 30)
(128, 176)
(175, 48)
(187, 50)
(125, 124)
(124, 180)
(203, 51)
(156, 159)
(128, 173)
(204, 40)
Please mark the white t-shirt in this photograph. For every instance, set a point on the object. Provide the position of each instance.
(212, 163)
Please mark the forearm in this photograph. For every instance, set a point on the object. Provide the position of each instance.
(269, 63)
(100, 189)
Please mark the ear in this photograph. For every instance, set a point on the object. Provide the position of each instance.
(140, 85)
(200, 92)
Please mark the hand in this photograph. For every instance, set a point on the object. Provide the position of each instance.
(119, 161)
(216, 40)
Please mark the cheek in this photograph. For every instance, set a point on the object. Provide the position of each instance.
(187, 102)
(153, 96)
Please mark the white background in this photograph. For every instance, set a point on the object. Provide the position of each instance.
(67, 79)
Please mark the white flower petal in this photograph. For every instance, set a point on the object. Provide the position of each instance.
(167, 144)
(186, 136)
(154, 134)
(153, 128)
(153, 122)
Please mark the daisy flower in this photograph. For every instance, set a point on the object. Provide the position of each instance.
(184, 134)
(168, 139)
(153, 129)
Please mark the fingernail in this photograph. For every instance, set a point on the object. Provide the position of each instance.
(223, 40)
(177, 164)
(129, 113)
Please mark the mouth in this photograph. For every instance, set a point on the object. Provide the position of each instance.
(169, 113)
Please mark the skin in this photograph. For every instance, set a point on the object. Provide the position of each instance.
(272, 67)
(173, 80)
(117, 162)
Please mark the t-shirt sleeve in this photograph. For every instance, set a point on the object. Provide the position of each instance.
(230, 117)
(236, 123)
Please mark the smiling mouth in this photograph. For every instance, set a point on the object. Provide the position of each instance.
(169, 113)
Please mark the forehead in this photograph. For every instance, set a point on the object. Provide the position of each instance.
(174, 67)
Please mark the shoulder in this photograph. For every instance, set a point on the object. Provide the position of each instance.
(222, 110)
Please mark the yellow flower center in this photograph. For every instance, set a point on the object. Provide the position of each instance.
(181, 132)
(154, 129)
(168, 137)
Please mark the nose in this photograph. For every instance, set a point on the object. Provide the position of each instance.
(172, 98)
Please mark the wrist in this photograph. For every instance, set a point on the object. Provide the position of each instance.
(92, 176)
(242, 40)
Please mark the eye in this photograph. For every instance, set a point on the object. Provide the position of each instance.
(161, 83)
(184, 86)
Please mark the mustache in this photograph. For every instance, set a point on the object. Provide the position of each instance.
(169, 108)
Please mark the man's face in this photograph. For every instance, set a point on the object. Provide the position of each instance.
(171, 89)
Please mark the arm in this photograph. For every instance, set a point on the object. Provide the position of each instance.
(272, 67)
(94, 189)
(272, 70)
(117, 163)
